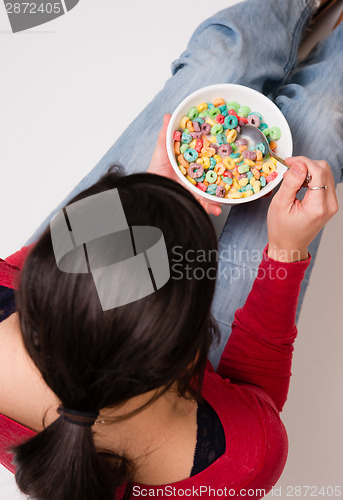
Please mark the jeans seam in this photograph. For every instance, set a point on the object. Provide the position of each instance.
(296, 38)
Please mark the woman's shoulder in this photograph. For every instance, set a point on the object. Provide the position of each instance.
(11, 433)
(255, 445)
(222, 392)
(10, 266)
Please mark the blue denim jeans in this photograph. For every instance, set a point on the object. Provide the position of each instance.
(253, 43)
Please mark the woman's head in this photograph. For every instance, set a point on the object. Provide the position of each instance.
(94, 359)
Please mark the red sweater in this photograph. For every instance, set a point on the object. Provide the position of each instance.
(247, 392)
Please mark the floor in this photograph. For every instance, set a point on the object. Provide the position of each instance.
(68, 89)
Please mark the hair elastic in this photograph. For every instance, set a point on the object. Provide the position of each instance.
(85, 419)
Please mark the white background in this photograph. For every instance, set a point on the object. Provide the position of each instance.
(68, 90)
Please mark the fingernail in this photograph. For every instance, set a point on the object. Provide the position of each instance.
(297, 170)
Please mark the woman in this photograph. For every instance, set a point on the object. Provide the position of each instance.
(123, 401)
(160, 441)
(232, 47)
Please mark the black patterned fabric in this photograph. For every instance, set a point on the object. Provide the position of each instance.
(210, 438)
(7, 302)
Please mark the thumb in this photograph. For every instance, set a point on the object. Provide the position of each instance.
(293, 180)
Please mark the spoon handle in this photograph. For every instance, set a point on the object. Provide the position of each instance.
(308, 176)
(278, 158)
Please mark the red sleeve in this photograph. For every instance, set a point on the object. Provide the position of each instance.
(259, 349)
(11, 266)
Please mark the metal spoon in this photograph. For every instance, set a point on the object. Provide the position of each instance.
(256, 136)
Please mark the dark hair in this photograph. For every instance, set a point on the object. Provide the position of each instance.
(93, 359)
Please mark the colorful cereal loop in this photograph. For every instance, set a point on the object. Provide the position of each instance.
(231, 121)
(211, 176)
(193, 113)
(202, 106)
(190, 155)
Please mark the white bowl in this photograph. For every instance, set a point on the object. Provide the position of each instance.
(244, 96)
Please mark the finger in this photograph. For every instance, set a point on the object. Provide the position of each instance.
(320, 170)
(214, 209)
(321, 176)
(160, 150)
(292, 182)
(210, 208)
(331, 191)
(205, 205)
(310, 164)
(321, 197)
(294, 159)
(163, 131)
(166, 120)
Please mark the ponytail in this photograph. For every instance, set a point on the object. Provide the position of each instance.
(61, 463)
(96, 359)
